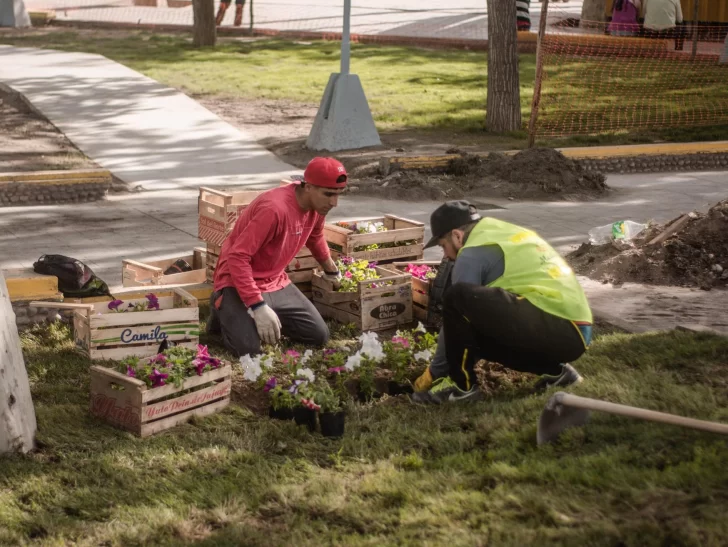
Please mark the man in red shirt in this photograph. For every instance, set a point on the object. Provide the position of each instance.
(253, 299)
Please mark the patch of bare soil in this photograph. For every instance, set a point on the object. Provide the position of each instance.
(29, 142)
(536, 173)
(694, 256)
(282, 126)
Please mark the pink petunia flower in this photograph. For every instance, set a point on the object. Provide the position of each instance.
(401, 341)
(130, 371)
(337, 370)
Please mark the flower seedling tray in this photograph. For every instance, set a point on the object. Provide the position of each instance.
(143, 274)
(128, 403)
(345, 242)
(104, 334)
(369, 308)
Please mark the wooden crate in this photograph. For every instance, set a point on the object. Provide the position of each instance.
(129, 404)
(218, 211)
(344, 242)
(140, 274)
(420, 289)
(212, 255)
(369, 308)
(104, 334)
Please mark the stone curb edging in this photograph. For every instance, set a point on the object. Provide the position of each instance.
(664, 163)
(27, 193)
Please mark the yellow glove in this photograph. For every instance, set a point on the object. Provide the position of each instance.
(424, 382)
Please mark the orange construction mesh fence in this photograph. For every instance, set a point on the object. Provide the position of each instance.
(595, 83)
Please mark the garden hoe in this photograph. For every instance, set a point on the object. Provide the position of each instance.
(564, 410)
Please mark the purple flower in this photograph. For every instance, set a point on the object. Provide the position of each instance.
(347, 260)
(153, 303)
(130, 371)
(270, 384)
(158, 378)
(202, 352)
(372, 265)
(337, 370)
(294, 387)
(114, 304)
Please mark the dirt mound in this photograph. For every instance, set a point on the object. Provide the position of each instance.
(536, 173)
(695, 256)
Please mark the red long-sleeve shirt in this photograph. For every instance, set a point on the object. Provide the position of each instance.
(266, 237)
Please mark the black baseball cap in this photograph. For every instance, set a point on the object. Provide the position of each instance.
(450, 216)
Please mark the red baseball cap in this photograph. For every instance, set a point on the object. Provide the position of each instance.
(325, 172)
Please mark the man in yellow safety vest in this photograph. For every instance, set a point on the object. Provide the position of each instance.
(513, 300)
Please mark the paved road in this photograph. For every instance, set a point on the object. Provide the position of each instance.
(462, 19)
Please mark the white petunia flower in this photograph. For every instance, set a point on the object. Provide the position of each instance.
(371, 347)
(306, 373)
(306, 356)
(353, 362)
(420, 327)
(265, 361)
(251, 368)
(423, 355)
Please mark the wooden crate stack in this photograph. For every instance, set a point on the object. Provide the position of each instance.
(141, 274)
(218, 213)
(104, 334)
(402, 240)
(376, 305)
(128, 403)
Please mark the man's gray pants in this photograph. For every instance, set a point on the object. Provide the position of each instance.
(300, 320)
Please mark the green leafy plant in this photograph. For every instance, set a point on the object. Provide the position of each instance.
(281, 398)
(327, 398)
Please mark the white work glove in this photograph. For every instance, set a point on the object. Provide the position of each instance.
(334, 278)
(267, 323)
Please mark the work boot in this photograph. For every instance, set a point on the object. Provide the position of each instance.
(221, 13)
(567, 377)
(238, 15)
(444, 390)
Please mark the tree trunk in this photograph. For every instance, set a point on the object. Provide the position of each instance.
(592, 11)
(17, 416)
(13, 14)
(204, 28)
(503, 106)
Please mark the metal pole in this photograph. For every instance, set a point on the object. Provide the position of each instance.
(346, 39)
(251, 17)
(695, 29)
(539, 75)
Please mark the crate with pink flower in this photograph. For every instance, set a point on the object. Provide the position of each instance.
(135, 323)
(371, 297)
(382, 239)
(423, 274)
(146, 396)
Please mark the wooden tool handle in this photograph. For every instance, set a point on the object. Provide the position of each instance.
(632, 412)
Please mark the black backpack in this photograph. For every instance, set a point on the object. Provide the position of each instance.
(75, 279)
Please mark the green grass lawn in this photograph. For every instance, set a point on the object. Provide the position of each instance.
(406, 475)
(408, 88)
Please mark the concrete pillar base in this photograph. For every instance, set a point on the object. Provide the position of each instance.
(343, 121)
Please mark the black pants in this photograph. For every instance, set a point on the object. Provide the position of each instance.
(300, 320)
(495, 325)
